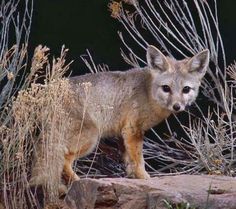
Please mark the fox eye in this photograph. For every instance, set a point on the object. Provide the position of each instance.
(166, 88)
(186, 89)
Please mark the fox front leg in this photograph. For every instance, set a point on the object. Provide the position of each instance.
(133, 157)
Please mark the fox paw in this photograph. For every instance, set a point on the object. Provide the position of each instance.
(62, 190)
(142, 175)
(70, 177)
(139, 174)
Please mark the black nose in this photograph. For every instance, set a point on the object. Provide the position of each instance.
(176, 107)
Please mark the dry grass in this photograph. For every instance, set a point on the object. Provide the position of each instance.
(37, 112)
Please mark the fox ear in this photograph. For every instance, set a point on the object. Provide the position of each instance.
(198, 64)
(155, 59)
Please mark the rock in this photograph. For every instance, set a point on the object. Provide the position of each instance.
(200, 191)
(1, 206)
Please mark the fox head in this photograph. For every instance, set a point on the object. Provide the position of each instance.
(175, 83)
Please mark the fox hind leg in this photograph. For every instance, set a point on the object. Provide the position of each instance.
(68, 172)
(80, 146)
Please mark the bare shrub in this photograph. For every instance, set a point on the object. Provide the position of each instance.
(185, 28)
(13, 50)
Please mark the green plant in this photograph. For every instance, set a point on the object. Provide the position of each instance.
(182, 205)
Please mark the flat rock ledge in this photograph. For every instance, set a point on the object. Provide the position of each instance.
(200, 191)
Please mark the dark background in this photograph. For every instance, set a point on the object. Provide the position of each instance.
(86, 24)
(80, 25)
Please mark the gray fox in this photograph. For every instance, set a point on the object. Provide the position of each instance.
(126, 104)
